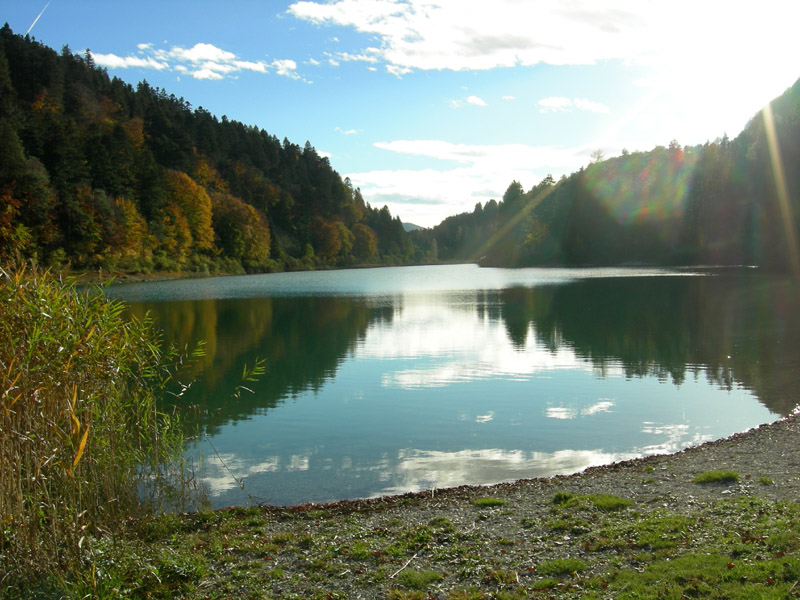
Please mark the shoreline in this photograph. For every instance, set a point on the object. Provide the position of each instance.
(640, 528)
(760, 451)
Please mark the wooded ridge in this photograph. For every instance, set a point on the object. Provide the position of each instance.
(97, 174)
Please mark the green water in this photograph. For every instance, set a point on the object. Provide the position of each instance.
(383, 381)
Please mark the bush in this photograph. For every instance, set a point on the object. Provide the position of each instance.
(717, 477)
(84, 446)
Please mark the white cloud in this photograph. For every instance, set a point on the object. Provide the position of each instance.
(286, 67)
(201, 61)
(347, 131)
(488, 157)
(554, 103)
(112, 61)
(398, 71)
(476, 101)
(480, 173)
(347, 57)
(717, 81)
(561, 104)
(509, 98)
(206, 73)
(201, 52)
(584, 104)
(473, 34)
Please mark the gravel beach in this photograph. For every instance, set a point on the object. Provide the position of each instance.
(499, 541)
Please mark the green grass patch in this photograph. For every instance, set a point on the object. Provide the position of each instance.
(709, 576)
(418, 580)
(488, 502)
(604, 502)
(716, 477)
(560, 567)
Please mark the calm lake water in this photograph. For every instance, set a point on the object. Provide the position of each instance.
(383, 381)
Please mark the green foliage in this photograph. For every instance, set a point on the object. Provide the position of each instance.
(560, 567)
(97, 174)
(418, 580)
(716, 477)
(488, 502)
(84, 445)
(726, 202)
(606, 502)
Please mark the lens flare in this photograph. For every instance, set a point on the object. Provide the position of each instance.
(643, 187)
(781, 189)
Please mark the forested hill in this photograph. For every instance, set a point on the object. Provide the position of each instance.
(727, 202)
(97, 174)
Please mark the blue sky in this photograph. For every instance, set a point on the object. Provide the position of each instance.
(430, 106)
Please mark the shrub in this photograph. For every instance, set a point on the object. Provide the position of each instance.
(418, 580)
(84, 445)
(717, 477)
(560, 567)
(488, 502)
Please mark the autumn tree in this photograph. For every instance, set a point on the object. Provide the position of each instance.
(365, 246)
(328, 242)
(242, 232)
(187, 197)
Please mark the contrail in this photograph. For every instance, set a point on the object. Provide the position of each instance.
(39, 16)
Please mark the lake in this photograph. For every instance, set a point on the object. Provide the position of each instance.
(385, 381)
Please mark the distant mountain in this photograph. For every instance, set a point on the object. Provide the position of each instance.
(97, 174)
(412, 227)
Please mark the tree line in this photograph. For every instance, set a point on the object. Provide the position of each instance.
(726, 202)
(98, 174)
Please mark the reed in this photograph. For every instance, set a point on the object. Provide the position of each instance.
(84, 445)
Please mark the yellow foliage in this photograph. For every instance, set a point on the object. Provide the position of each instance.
(191, 200)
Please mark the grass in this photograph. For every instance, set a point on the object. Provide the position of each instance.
(488, 502)
(605, 502)
(560, 567)
(716, 477)
(737, 548)
(418, 580)
(74, 374)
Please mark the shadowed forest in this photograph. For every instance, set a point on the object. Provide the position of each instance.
(97, 174)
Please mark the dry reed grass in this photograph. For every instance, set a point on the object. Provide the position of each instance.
(83, 443)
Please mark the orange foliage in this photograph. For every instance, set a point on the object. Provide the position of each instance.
(135, 130)
(207, 176)
(328, 241)
(242, 231)
(177, 236)
(9, 209)
(191, 200)
(46, 103)
(131, 239)
(365, 244)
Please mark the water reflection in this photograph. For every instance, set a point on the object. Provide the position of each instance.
(376, 394)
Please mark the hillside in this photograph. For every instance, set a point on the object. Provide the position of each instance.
(98, 175)
(727, 202)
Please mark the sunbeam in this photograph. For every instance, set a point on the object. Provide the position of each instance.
(781, 189)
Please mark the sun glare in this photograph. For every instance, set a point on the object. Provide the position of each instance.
(780, 186)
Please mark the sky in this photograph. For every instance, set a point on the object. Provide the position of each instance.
(431, 106)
